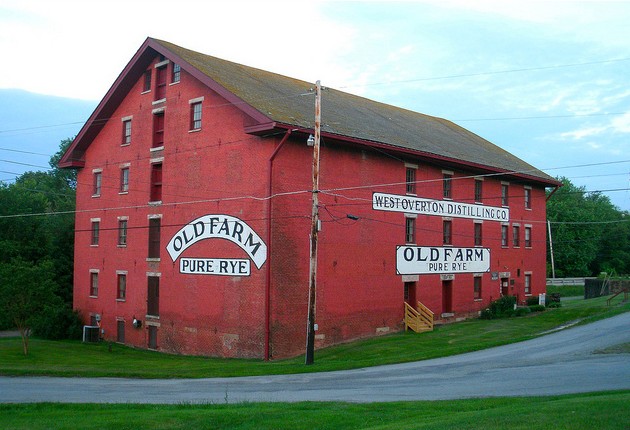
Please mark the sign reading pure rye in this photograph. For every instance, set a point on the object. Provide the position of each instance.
(218, 227)
(418, 205)
(422, 260)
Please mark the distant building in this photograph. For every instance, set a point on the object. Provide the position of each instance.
(194, 212)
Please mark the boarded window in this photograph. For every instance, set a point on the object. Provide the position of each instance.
(154, 237)
(156, 182)
(160, 83)
(158, 130)
(153, 296)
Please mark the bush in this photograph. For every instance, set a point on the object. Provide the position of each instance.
(537, 308)
(532, 300)
(500, 308)
(519, 312)
(554, 304)
(58, 322)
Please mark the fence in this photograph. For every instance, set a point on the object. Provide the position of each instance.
(567, 281)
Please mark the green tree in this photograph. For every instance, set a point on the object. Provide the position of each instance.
(586, 232)
(26, 290)
(37, 227)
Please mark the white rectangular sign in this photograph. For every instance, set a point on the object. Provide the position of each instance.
(422, 260)
(417, 205)
(215, 266)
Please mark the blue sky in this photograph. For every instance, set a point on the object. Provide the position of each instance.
(547, 81)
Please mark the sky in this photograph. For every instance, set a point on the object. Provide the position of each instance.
(548, 81)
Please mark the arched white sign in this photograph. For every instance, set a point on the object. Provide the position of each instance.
(219, 227)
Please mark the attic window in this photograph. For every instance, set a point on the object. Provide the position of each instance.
(147, 81)
(176, 72)
(195, 113)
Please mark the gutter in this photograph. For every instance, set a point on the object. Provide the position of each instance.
(552, 193)
(269, 248)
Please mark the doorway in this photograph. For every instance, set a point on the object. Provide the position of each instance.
(447, 297)
(505, 286)
(410, 294)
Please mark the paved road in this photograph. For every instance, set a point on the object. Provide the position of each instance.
(558, 363)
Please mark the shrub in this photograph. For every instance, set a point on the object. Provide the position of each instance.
(519, 312)
(500, 308)
(532, 300)
(554, 304)
(536, 308)
(58, 322)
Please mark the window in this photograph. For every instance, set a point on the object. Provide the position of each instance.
(447, 226)
(96, 232)
(97, 180)
(411, 180)
(122, 232)
(477, 287)
(410, 230)
(504, 194)
(121, 292)
(528, 198)
(93, 284)
(478, 190)
(147, 81)
(126, 132)
(154, 237)
(158, 129)
(120, 331)
(153, 296)
(504, 235)
(528, 284)
(176, 73)
(478, 237)
(124, 180)
(447, 191)
(195, 116)
(528, 237)
(516, 231)
(160, 82)
(156, 182)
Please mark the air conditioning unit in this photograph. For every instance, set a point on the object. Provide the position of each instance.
(90, 333)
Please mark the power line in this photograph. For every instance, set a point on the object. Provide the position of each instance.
(489, 73)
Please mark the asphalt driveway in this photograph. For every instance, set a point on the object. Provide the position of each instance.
(562, 362)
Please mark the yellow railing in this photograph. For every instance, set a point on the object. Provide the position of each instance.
(418, 320)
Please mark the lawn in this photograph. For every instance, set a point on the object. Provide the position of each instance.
(73, 358)
(580, 411)
(566, 290)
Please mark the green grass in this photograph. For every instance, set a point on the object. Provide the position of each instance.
(566, 290)
(582, 411)
(73, 358)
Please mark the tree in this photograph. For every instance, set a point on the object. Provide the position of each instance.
(589, 233)
(26, 291)
(37, 228)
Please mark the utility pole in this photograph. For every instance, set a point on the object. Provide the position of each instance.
(310, 330)
(553, 266)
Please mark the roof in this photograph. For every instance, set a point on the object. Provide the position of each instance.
(274, 101)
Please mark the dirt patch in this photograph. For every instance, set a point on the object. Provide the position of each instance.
(622, 348)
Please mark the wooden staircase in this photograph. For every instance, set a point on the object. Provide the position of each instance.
(418, 319)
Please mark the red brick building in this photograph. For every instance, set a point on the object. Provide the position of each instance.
(194, 212)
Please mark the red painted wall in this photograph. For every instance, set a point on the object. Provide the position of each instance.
(222, 170)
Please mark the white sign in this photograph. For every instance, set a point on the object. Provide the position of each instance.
(417, 205)
(214, 266)
(424, 260)
(219, 227)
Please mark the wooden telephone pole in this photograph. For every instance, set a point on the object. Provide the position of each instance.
(310, 330)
